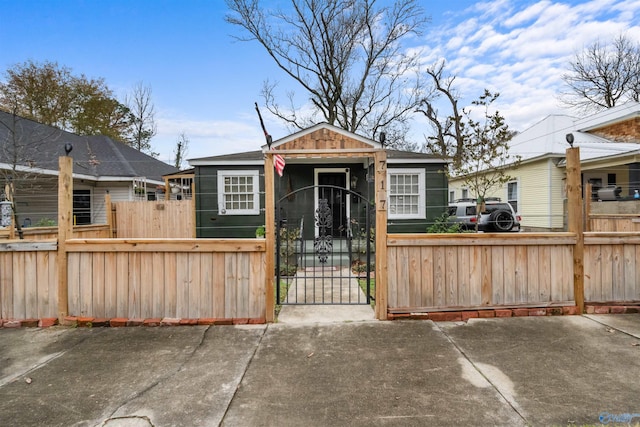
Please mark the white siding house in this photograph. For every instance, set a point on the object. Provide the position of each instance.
(609, 153)
(29, 153)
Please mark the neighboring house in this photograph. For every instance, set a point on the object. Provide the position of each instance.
(230, 188)
(609, 154)
(29, 153)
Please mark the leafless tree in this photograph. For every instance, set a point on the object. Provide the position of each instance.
(181, 150)
(478, 149)
(604, 75)
(346, 55)
(448, 139)
(142, 113)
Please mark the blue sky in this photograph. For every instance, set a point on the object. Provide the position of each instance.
(204, 82)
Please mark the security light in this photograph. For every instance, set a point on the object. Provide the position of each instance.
(569, 138)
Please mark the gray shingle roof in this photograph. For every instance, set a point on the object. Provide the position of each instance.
(251, 156)
(39, 146)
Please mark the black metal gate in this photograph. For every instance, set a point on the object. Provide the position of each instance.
(325, 240)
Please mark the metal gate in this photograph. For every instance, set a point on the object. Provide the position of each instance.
(324, 247)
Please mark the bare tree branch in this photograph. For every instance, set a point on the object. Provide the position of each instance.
(142, 111)
(603, 75)
(346, 55)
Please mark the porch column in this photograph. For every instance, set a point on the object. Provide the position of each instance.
(380, 158)
(574, 195)
(270, 236)
(65, 231)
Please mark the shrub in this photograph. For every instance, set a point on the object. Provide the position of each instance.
(441, 224)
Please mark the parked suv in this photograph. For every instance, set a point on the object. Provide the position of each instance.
(498, 216)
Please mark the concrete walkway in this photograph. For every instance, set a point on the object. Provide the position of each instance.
(308, 289)
(540, 371)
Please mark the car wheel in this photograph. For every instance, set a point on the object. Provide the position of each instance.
(501, 220)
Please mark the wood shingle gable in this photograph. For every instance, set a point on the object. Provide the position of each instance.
(324, 136)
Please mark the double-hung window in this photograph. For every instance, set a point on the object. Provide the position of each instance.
(406, 193)
(512, 194)
(238, 192)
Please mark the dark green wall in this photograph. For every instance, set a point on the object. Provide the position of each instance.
(210, 223)
(436, 200)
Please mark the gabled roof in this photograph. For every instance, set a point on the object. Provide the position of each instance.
(317, 129)
(547, 138)
(321, 136)
(94, 157)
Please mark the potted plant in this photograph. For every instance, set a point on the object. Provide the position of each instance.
(260, 232)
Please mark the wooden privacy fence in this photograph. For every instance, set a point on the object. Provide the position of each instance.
(213, 278)
(28, 280)
(156, 278)
(613, 223)
(612, 267)
(154, 219)
(471, 271)
(51, 233)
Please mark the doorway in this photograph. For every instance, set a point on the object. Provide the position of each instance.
(331, 186)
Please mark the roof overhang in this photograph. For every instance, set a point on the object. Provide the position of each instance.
(608, 117)
(205, 162)
(55, 173)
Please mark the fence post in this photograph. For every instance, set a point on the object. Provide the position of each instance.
(109, 213)
(194, 231)
(587, 206)
(270, 236)
(65, 231)
(380, 159)
(575, 223)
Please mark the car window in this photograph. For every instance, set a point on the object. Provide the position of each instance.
(452, 210)
(470, 210)
(497, 206)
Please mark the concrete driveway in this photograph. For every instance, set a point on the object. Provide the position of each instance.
(540, 371)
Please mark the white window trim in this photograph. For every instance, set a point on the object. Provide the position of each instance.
(517, 183)
(255, 174)
(422, 211)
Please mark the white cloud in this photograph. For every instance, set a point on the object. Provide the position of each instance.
(522, 51)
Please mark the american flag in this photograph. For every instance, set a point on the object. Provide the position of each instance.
(278, 163)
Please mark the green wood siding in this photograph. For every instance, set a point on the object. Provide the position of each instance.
(436, 200)
(210, 223)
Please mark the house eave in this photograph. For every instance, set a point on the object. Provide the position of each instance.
(226, 163)
(50, 172)
(609, 117)
(397, 161)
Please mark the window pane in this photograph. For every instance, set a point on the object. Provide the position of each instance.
(238, 193)
(512, 191)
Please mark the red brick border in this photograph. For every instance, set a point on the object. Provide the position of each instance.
(436, 316)
(118, 322)
(465, 315)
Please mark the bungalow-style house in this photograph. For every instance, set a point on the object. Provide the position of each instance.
(230, 188)
(609, 156)
(29, 153)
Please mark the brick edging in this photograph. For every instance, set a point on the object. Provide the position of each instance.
(96, 322)
(464, 315)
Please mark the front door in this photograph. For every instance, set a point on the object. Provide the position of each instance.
(331, 185)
